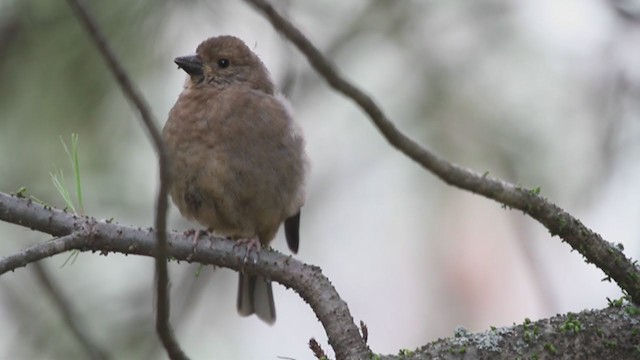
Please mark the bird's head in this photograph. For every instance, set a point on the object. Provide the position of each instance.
(223, 61)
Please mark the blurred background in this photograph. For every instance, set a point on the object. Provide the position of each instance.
(540, 93)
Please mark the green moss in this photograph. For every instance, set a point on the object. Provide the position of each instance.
(615, 302)
(611, 344)
(551, 348)
(561, 223)
(21, 192)
(531, 330)
(632, 310)
(405, 352)
(571, 324)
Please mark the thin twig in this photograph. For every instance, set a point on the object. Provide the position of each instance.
(41, 251)
(191, 288)
(69, 317)
(535, 266)
(163, 327)
(559, 222)
(11, 26)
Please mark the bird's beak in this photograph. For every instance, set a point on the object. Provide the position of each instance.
(192, 64)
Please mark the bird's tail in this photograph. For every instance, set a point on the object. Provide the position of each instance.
(255, 296)
(292, 232)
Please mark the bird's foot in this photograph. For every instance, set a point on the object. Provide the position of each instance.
(251, 244)
(194, 241)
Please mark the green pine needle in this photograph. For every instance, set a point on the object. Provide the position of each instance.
(75, 166)
(57, 177)
(72, 254)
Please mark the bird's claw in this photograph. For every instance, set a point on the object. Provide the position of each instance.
(251, 244)
(194, 242)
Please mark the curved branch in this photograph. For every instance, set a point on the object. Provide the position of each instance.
(163, 327)
(104, 236)
(601, 253)
(611, 333)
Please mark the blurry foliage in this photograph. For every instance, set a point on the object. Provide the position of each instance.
(53, 81)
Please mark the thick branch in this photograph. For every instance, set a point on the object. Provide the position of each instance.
(608, 334)
(103, 236)
(603, 254)
(163, 326)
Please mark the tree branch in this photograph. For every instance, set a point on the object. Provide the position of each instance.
(607, 334)
(610, 333)
(163, 327)
(103, 236)
(595, 250)
(69, 317)
(41, 251)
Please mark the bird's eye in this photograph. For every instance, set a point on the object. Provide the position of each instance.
(223, 63)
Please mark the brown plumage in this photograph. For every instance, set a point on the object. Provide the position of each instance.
(237, 158)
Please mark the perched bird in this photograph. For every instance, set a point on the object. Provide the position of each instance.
(237, 158)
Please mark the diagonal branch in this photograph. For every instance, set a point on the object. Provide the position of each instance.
(69, 317)
(163, 327)
(595, 250)
(105, 236)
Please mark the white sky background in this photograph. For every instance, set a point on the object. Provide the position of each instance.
(411, 256)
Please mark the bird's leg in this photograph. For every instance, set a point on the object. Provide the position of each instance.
(196, 236)
(251, 244)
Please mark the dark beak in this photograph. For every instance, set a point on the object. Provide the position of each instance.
(192, 65)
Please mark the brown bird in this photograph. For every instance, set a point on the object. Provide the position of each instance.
(237, 158)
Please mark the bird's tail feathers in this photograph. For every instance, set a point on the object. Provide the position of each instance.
(255, 296)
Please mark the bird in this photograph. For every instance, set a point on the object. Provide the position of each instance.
(237, 158)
